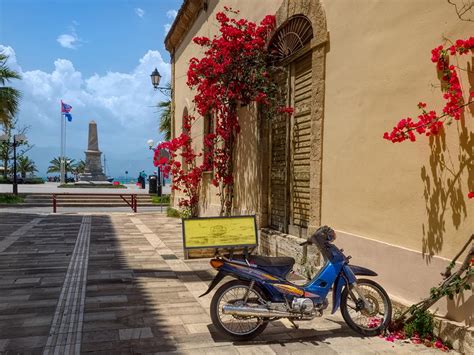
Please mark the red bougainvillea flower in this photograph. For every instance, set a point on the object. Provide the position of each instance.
(233, 71)
(470, 194)
(430, 122)
(374, 322)
(288, 110)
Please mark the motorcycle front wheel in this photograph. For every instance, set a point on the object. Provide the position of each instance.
(368, 321)
(237, 327)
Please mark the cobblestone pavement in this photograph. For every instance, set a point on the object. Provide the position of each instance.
(117, 284)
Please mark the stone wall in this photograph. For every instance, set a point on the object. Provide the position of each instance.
(308, 259)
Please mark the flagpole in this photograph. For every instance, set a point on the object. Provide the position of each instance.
(61, 158)
(65, 154)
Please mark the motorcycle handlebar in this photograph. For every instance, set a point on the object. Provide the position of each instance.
(326, 232)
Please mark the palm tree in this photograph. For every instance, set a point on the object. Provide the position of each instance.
(25, 166)
(9, 97)
(55, 165)
(79, 167)
(165, 115)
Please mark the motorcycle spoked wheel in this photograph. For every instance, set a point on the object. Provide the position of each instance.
(235, 327)
(363, 321)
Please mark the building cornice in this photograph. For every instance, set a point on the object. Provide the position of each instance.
(185, 18)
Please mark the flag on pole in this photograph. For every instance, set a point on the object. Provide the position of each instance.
(65, 110)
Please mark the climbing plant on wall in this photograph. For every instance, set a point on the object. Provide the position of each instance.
(235, 70)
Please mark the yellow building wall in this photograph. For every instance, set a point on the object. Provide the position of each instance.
(377, 70)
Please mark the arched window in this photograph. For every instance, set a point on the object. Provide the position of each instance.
(291, 37)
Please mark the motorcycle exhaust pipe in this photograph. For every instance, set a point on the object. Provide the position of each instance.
(255, 312)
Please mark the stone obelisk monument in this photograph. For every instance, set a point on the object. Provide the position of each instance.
(93, 171)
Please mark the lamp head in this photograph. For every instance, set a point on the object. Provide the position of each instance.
(155, 78)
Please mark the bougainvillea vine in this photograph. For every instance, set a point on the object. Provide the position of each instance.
(234, 71)
(430, 122)
(186, 177)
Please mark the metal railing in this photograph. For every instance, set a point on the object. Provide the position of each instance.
(133, 204)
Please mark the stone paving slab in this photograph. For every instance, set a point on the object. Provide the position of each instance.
(140, 295)
(32, 271)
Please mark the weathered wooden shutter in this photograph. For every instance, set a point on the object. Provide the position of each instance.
(279, 162)
(301, 143)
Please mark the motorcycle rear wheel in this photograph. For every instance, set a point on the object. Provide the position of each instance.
(363, 321)
(237, 328)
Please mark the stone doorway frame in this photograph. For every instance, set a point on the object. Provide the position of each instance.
(318, 46)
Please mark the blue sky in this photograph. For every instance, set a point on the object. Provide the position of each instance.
(96, 55)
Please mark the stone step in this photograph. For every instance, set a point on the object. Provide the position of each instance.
(115, 194)
(84, 198)
(92, 202)
(96, 202)
(82, 204)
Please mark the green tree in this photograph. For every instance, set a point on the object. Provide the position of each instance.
(55, 165)
(9, 97)
(6, 149)
(25, 166)
(165, 115)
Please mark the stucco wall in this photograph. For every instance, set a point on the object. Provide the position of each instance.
(377, 70)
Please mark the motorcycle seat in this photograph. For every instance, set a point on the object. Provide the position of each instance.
(271, 260)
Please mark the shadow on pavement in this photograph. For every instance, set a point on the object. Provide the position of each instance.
(126, 308)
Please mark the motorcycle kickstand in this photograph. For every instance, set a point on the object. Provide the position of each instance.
(294, 324)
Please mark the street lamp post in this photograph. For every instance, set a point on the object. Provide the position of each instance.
(17, 140)
(155, 81)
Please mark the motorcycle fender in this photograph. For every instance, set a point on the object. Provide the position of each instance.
(336, 292)
(220, 275)
(359, 270)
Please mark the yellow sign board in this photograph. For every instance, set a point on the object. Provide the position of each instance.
(218, 232)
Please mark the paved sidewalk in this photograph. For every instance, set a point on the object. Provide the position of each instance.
(117, 284)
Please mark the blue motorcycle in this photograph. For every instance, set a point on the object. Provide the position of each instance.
(242, 308)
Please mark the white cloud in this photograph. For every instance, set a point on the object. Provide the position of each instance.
(70, 40)
(67, 41)
(122, 103)
(167, 28)
(171, 14)
(140, 12)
